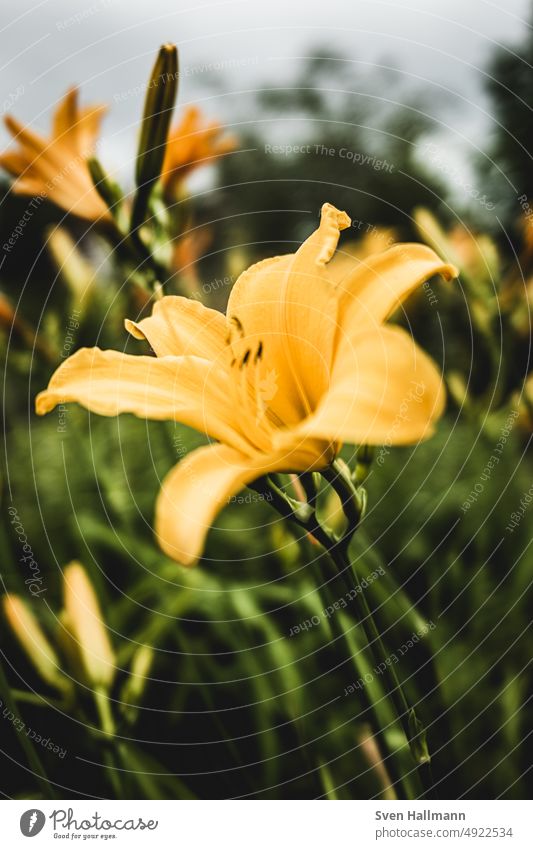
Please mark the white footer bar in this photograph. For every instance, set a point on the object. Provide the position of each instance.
(267, 824)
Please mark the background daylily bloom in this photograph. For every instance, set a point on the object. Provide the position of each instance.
(190, 144)
(301, 363)
(56, 168)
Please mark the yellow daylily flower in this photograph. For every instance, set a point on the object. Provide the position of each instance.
(301, 363)
(56, 168)
(190, 144)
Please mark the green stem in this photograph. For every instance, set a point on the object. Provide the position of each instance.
(31, 754)
(108, 727)
(107, 723)
(353, 503)
(412, 726)
(387, 753)
(130, 248)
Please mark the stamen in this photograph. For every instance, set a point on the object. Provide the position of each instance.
(238, 324)
(248, 394)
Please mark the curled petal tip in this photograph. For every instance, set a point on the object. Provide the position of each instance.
(44, 403)
(450, 272)
(133, 328)
(322, 244)
(338, 217)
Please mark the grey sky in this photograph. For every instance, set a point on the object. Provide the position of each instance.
(108, 46)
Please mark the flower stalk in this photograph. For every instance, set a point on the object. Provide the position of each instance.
(353, 501)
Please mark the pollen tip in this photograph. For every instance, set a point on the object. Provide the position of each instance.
(237, 322)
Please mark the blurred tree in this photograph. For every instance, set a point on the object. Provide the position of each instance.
(330, 134)
(510, 155)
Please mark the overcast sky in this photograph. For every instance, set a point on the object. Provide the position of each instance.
(108, 46)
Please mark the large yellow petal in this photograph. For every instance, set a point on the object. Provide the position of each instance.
(203, 483)
(379, 284)
(181, 326)
(186, 389)
(286, 308)
(196, 490)
(384, 389)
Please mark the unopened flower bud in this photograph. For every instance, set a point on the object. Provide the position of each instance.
(158, 107)
(85, 623)
(34, 642)
(108, 189)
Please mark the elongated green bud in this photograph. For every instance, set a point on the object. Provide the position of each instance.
(417, 739)
(365, 455)
(108, 189)
(137, 680)
(158, 107)
(78, 273)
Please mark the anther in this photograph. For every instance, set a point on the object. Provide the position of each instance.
(237, 324)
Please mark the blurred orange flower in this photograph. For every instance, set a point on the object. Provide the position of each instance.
(193, 143)
(56, 168)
